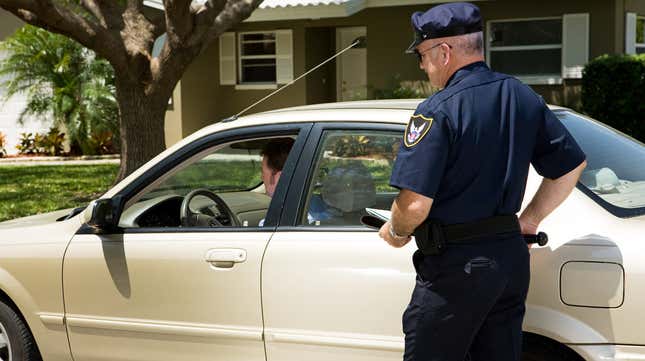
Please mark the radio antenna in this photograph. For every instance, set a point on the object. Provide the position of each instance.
(359, 42)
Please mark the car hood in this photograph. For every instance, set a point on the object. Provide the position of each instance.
(36, 220)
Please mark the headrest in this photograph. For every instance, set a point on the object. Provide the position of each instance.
(349, 188)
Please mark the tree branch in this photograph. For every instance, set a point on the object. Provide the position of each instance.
(94, 9)
(234, 13)
(60, 19)
(179, 22)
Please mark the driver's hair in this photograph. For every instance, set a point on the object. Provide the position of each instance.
(276, 152)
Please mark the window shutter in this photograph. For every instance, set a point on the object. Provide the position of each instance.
(284, 56)
(227, 75)
(630, 33)
(575, 44)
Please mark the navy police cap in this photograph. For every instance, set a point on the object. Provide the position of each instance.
(450, 19)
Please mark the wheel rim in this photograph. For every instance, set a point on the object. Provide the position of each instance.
(5, 345)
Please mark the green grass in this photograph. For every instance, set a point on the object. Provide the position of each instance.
(27, 190)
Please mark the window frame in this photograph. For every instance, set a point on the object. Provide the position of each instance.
(638, 46)
(249, 84)
(296, 199)
(542, 79)
(302, 131)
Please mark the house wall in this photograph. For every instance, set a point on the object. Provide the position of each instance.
(11, 108)
(389, 33)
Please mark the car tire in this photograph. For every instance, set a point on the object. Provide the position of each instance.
(538, 348)
(16, 341)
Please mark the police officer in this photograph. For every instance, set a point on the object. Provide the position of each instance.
(461, 170)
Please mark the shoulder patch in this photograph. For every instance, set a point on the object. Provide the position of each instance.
(417, 128)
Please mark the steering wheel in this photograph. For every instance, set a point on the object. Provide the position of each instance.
(195, 219)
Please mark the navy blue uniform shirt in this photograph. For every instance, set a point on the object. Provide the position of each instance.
(469, 146)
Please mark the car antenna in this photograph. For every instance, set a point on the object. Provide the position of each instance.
(359, 42)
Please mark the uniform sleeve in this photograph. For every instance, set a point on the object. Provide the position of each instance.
(420, 167)
(556, 153)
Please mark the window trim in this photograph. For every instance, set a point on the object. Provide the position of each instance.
(541, 79)
(302, 177)
(241, 85)
(638, 45)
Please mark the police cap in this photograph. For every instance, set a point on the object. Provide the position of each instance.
(444, 20)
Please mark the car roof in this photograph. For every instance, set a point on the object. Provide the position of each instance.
(397, 111)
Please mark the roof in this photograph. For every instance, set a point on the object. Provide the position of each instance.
(275, 10)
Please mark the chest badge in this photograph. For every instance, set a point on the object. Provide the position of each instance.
(417, 128)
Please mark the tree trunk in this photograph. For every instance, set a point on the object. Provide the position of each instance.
(142, 125)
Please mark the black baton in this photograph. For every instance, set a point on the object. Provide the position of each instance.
(541, 238)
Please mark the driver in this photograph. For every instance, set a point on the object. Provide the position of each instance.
(274, 155)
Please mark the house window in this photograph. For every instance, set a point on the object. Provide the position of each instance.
(640, 35)
(529, 49)
(257, 57)
(256, 60)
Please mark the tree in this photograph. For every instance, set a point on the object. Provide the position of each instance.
(124, 34)
(62, 78)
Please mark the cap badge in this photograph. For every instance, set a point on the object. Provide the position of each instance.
(417, 128)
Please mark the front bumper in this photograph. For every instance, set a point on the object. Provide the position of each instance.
(610, 352)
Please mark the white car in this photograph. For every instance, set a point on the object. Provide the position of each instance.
(154, 270)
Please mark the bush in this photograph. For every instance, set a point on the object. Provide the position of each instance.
(613, 89)
(50, 143)
(3, 144)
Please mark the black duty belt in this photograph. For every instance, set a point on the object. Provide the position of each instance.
(431, 236)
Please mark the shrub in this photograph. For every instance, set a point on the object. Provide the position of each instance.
(3, 144)
(50, 143)
(613, 89)
(26, 144)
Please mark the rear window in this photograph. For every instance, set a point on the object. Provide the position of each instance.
(615, 173)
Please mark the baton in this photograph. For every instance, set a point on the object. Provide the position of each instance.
(541, 238)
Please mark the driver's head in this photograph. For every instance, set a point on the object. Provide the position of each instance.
(274, 155)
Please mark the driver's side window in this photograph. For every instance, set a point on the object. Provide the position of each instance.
(221, 187)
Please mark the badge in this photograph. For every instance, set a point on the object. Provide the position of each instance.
(416, 129)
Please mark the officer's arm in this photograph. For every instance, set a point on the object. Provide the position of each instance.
(409, 210)
(550, 195)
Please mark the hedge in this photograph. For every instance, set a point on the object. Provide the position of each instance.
(613, 92)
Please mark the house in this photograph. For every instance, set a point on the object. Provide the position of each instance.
(544, 43)
(11, 109)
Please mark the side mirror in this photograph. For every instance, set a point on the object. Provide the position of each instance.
(104, 214)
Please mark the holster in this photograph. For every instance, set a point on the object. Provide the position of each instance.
(430, 238)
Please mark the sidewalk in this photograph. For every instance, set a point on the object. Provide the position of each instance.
(36, 161)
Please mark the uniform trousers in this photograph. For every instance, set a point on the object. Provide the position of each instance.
(468, 303)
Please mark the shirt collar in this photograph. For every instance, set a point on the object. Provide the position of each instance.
(465, 71)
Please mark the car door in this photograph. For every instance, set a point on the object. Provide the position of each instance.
(156, 290)
(331, 288)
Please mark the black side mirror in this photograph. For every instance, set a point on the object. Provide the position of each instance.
(105, 213)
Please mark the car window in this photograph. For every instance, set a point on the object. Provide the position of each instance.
(351, 172)
(219, 187)
(615, 170)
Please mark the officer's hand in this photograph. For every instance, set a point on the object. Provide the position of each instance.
(396, 242)
(528, 227)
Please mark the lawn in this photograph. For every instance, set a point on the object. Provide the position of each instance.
(27, 190)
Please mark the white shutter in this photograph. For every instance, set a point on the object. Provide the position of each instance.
(227, 75)
(284, 56)
(575, 44)
(630, 33)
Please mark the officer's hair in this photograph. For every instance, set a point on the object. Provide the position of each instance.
(471, 44)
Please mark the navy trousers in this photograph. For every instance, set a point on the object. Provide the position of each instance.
(468, 303)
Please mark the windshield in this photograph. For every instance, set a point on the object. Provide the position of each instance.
(615, 171)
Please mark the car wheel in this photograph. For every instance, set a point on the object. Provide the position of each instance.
(16, 341)
(537, 348)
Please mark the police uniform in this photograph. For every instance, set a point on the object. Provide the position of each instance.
(468, 147)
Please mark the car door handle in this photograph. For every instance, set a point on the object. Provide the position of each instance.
(225, 257)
